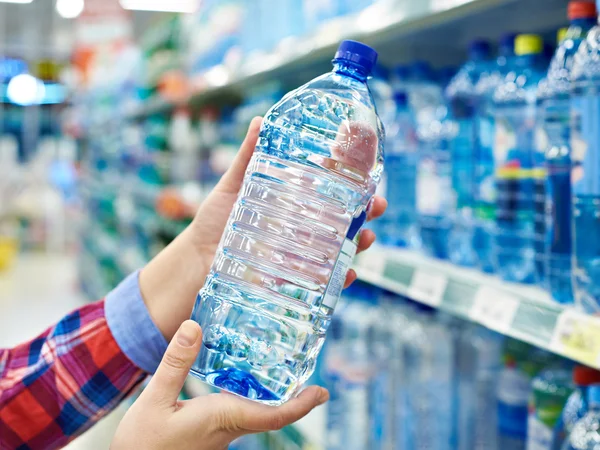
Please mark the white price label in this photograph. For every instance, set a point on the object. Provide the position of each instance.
(494, 309)
(372, 261)
(577, 336)
(428, 287)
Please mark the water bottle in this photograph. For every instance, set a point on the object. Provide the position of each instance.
(485, 184)
(521, 364)
(463, 102)
(549, 392)
(576, 405)
(515, 125)
(282, 261)
(554, 98)
(429, 361)
(358, 372)
(586, 432)
(399, 226)
(585, 176)
(478, 369)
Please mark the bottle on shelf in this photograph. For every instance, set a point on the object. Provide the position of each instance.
(515, 123)
(585, 175)
(399, 225)
(282, 261)
(576, 405)
(478, 369)
(554, 110)
(550, 390)
(462, 102)
(586, 432)
(485, 185)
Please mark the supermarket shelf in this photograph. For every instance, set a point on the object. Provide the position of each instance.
(522, 312)
(423, 28)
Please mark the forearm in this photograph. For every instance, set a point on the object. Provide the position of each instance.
(55, 387)
(170, 282)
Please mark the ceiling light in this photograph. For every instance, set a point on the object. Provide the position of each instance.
(16, 1)
(69, 9)
(183, 6)
(25, 90)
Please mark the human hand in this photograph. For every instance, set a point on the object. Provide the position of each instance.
(157, 420)
(171, 281)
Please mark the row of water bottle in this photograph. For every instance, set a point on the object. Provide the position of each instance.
(499, 168)
(403, 376)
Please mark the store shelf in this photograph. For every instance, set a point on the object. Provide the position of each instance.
(400, 33)
(522, 312)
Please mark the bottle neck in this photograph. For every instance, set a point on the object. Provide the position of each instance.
(349, 69)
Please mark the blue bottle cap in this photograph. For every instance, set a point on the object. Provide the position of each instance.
(401, 98)
(507, 44)
(479, 49)
(402, 72)
(594, 395)
(357, 53)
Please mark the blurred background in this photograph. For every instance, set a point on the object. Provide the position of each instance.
(118, 117)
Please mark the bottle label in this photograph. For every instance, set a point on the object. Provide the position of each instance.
(485, 185)
(513, 397)
(463, 172)
(338, 277)
(585, 141)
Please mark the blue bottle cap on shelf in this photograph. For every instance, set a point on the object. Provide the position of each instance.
(357, 53)
(479, 49)
(402, 72)
(400, 98)
(594, 395)
(507, 44)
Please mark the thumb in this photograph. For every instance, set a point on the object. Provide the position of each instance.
(232, 179)
(167, 382)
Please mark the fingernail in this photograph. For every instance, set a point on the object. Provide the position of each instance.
(323, 396)
(187, 334)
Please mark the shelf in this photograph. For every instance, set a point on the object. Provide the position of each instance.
(422, 28)
(523, 312)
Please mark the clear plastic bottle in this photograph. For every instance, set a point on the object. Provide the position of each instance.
(478, 370)
(281, 264)
(576, 405)
(585, 154)
(399, 225)
(554, 101)
(515, 125)
(586, 432)
(462, 101)
(429, 360)
(485, 184)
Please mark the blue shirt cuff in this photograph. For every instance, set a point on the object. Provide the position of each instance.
(132, 327)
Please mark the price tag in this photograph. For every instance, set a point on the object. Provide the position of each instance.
(372, 261)
(494, 309)
(427, 287)
(577, 336)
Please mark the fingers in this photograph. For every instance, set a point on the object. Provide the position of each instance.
(256, 417)
(377, 207)
(367, 238)
(166, 384)
(350, 278)
(231, 181)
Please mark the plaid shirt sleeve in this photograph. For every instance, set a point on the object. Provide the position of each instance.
(58, 385)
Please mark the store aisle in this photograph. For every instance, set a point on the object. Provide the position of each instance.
(34, 294)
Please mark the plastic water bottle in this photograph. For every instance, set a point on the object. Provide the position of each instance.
(429, 361)
(586, 432)
(585, 142)
(463, 102)
(281, 264)
(555, 111)
(521, 364)
(478, 369)
(399, 227)
(549, 393)
(485, 183)
(576, 405)
(515, 120)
